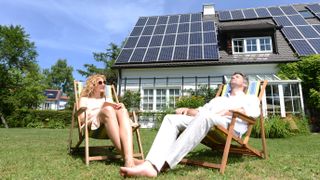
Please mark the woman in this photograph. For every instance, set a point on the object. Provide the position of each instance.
(114, 117)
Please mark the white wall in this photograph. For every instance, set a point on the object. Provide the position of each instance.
(199, 71)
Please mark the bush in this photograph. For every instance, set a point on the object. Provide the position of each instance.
(277, 127)
(191, 102)
(131, 99)
(40, 118)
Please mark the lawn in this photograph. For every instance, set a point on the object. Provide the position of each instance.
(42, 154)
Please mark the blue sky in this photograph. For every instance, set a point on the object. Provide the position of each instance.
(74, 29)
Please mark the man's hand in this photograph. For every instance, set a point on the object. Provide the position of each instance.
(183, 111)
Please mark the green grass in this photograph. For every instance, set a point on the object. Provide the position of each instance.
(42, 154)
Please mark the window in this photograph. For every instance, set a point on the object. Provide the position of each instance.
(161, 98)
(147, 99)
(306, 14)
(252, 45)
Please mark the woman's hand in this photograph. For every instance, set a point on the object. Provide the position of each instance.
(118, 106)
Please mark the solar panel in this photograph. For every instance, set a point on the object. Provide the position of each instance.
(262, 12)
(196, 17)
(184, 18)
(291, 33)
(169, 40)
(209, 38)
(316, 27)
(302, 47)
(151, 55)
(131, 42)
(237, 15)
(308, 32)
(315, 44)
(210, 52)
(315, 8)
(249, 14)
(173, 19)
(275, 11)
(298, 20)
(171, 28)
(143, 41)
(183, 27)
(196, 38)
(162, 20)
(288, 10)
(152, 20)
(318, 15)
(195, 27)
(180, 53)
(160, 29)
(138, 55)
(224, 15)
(148, 30)
(136, 31)
(195, 52)
(124, 56)
(142, 21)
(165, 54)
(282, 20)
(208, 26)
(156, 41)
(182, 39)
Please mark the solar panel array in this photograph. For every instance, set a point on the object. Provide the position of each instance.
(182, 37)
(303, 37)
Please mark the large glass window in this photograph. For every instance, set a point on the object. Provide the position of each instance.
(174, 94)
(291, 98)
(252, 45)
(273, 100)
(147, 99)
(161, 99)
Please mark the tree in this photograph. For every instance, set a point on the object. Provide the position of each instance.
(307, 69)
(21, 79)
(107, 58)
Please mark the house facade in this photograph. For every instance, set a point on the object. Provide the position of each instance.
(55, 100)
(164, 56)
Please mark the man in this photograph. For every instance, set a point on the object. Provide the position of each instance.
(168, 148)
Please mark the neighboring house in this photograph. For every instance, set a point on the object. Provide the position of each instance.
(56, 100)
(166, 55)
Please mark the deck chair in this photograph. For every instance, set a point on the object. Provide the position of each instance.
(220, 138)
(85, 135)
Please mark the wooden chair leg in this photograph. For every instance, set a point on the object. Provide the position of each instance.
(86, 144)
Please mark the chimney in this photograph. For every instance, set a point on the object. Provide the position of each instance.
(208, 9)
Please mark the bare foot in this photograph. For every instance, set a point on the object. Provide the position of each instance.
(145, 169)
(137, 161)
(129, 163)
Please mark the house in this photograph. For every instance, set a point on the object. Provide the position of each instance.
(56, 100)
(166, 55)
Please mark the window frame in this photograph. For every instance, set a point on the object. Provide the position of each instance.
(257, 45)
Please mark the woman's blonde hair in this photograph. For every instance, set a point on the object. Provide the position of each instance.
(91, 82)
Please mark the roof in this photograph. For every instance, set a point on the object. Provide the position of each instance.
(195, 39)
(54, 95)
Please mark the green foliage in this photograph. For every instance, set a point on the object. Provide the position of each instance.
(191, 101)
(39, 119)
(277, 127)
(21, 81)
(107, 58)
(307, 69)
(131, 99)
(204, 91)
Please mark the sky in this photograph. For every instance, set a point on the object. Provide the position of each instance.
(74, 29)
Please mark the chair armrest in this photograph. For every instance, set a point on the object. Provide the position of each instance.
(81, 110)
(244, 117)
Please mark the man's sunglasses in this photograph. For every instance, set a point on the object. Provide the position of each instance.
(102, 82)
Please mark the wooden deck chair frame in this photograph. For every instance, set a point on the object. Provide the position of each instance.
(220, 138)
(83, 131)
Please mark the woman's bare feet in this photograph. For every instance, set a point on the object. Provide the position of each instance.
(145, 169)
(129, 163)
(137, 161)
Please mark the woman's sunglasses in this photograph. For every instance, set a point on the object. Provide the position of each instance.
(101, 82)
